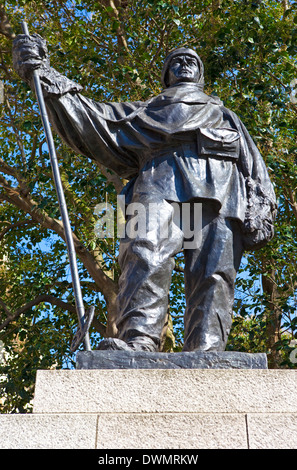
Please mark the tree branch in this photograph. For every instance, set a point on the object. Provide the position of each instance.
(111, 177)
(5, 308)
(120, 32)
(17, 133)
(5, 27)
(8, 170)
(99, 327)
(15, 225)
(18, 198)
(41, 298)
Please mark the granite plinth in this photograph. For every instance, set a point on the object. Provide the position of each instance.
(157, 409)
(159, 360)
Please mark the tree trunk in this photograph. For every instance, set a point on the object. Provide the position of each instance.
(273, 320)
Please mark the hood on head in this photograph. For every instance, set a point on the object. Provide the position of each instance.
(181, 51)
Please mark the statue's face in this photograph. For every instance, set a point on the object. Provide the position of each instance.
(183, 68)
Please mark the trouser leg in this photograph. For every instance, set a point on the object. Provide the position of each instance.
(210, 272)
(146, 261)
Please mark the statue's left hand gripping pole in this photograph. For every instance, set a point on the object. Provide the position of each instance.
(85, 320)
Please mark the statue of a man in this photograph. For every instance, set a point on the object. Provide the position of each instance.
(181, 146)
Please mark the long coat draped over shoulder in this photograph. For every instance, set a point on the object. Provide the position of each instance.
(181, 145)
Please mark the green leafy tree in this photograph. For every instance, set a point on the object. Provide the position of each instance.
(115, 49)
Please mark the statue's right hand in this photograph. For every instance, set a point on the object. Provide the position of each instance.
(29, 53)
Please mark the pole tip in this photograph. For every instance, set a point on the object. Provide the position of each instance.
(25, 28)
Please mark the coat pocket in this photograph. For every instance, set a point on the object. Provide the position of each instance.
(221, 143)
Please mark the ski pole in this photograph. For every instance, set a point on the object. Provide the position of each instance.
(84, 320)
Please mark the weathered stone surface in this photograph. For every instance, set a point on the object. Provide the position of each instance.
(183, 360)
(166, 390)
(172, 431)
(158, 409)
(272, 431)
(149, 431)
(33, 431)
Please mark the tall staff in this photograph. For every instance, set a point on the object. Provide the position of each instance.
(84, 320)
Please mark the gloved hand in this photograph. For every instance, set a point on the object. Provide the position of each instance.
(29, 53)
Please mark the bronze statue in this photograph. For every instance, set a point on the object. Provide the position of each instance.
(181, 146)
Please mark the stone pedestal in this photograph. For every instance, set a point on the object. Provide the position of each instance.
(158, 409)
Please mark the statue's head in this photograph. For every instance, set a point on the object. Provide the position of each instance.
(182, 65)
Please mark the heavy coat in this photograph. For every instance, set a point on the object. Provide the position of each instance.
(182, 144)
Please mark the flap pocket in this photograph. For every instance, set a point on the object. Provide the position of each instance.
(223, 143)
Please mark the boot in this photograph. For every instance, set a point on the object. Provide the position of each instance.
(139, 343)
